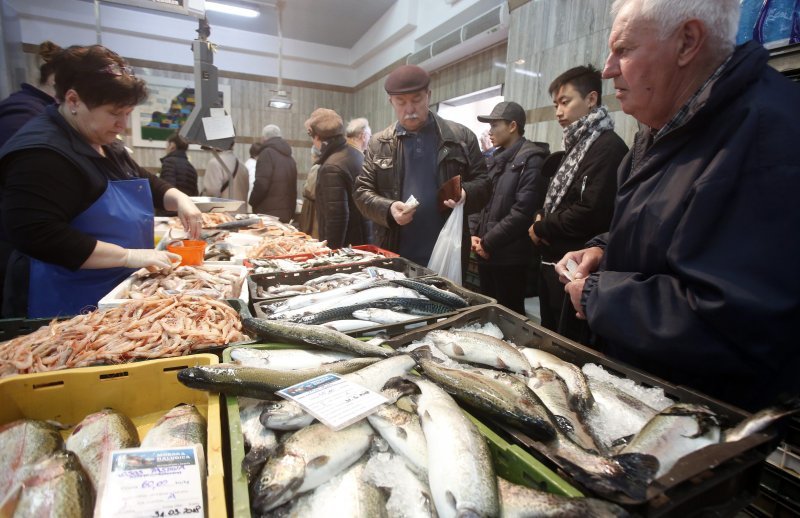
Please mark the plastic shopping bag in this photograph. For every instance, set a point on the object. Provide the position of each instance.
(446, 256)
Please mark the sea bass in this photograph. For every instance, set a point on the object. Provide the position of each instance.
(24, 442)
(525, 502)
(479, 348)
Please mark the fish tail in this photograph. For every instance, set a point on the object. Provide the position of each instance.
(631, 474)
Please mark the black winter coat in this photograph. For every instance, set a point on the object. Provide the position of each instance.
(275, 186)
(698, 282)
(340, 222)
(177, 171)
(504, 221)
(20, 107)
(588, 205)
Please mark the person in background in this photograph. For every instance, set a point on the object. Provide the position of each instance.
(580, 197)
(250, 164)
(340, 223)
(500, 234)
(226, 177)
(72, 199)
(689, 283)
(176, 169)
(275, 187)
(307, 222)
(487, 148)
(416, 156)
(358, 134)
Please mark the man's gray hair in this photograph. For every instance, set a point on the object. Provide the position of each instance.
(270, 131)
(721, 18)
(356, 127)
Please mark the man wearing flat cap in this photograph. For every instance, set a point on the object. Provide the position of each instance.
(416, 156)
(338, 218)
(500, 231)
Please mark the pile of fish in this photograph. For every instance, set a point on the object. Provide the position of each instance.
(419, 455)
(141, 329)
(211, 281)
(318, 259)
(42, 475)
(386, 299)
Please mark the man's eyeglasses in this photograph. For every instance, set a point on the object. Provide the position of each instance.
(117, 70)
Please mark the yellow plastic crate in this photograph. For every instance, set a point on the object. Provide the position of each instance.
(144, 391)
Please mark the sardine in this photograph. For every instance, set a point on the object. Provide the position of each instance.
(382, 316)
(237, 380)
(182, 426)
(761, 420)
(315, 335)
(525, 502)
(97, 436)
(307, 459)
(581, 398)
(24, 442)
(433, 293)
(259, 441)
(286, 359)
(479, 348)
(409, 497)
(460, 469)
(403, 431)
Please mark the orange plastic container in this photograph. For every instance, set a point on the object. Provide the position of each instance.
(190, 250)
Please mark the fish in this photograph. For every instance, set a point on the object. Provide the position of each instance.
(314, 335)
(382, 316)
(259, 441)
(349, 325)
(238, 224)
(403, 431)
(496, 393)
(359, 297)
(460, 470)
(286, 359)
(433, 293)
(302, 301)
(24, 442)
(308, 458)
(616, 414)
(580, 395)
(256, 382)
(182, 426)
(56, 485)
(333, 314)
(409, 305)
(409, 496)
(96, 436)
(676, 432)
(524, 502)
(479, 348)
(761, 420)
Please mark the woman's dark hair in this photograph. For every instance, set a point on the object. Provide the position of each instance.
(99, 75)
(47, 51)
(180, 143)
(255, 149)
(583, 79)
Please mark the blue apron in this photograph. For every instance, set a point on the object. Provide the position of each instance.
(123, 215)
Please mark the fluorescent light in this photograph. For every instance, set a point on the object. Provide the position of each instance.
(231, 9)
(280, 101)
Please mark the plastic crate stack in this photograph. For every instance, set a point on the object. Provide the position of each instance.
(779, 494)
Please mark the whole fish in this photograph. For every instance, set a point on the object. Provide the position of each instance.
(581, 398)
(382, 316)
(238, 224)
(182, 426)
(285, 359)
(24, 442)
(460, 470)
(350, 325)
(352, 299)
(237, 380)
(96, 436)
(419, 307)
(307, 459)
(409, 497)
(525, 502)
(674, 433)
(761, 420)
(259, 441)
(479, 348)
(311, 299)
(315, 335)
(433, 293)
(403, 431)
(509, 399)
(333, 314)
(56, 485)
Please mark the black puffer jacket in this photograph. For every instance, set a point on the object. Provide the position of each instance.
(177, 171)
(340, 222)
(275, 186)
(588, 205)
(504, 222)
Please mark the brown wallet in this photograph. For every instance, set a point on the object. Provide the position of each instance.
(450, 190)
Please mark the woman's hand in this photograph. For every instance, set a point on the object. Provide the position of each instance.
(188, 213)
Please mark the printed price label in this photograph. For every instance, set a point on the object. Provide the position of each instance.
(336, 402)
(153, 482)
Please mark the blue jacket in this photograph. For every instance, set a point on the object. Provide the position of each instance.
(20, 107)
(699, 281)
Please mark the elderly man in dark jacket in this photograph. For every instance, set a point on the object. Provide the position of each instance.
(416, 156)
(176, 169)
(340, 222)
(275, 186)
(695, 279)
(499, 233)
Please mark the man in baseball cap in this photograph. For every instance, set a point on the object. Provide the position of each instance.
(415, 156)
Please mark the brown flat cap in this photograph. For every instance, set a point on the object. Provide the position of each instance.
(325, 123)
(406, 79)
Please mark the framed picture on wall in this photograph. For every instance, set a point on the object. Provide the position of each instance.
(166, 109)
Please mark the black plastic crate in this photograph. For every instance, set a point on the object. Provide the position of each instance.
(716, 481)
(14, 327)
(779, 495)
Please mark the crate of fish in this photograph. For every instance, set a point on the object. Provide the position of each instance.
(392, 461)
(57, 428)
(385, 302)
(613, 431)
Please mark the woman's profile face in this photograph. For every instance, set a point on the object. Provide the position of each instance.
(101, 125)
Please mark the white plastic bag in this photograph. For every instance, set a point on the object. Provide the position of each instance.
(446, 255)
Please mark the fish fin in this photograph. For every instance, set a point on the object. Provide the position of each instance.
(426, 417)
(421, 353)
(451, 499)
(318, 462)
(500, 364)
(252, 463)
(622, 441)
(458, 350)
(399, 386)
(401, 433)
(632, 476)
(379, 339)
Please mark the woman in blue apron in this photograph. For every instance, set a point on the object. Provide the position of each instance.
(73, 200)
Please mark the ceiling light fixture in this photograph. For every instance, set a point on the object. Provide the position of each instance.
(281, 99)
(231, 9)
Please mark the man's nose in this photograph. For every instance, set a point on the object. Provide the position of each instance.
(611, 69)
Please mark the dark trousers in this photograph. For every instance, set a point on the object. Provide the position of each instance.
(506, 283)
(556, 309)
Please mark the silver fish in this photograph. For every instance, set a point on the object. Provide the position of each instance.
(761, 420)
(581, 398)
(259, 441)
(479, 348)
(286, 359)
(382, 316)
(525, 502)
(349, 325)
(352, 299)
(403, 431)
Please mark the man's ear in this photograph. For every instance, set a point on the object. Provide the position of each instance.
(593, 98)
(692, 36)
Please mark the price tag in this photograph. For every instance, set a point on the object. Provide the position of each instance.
(153, 482)
(335, 401)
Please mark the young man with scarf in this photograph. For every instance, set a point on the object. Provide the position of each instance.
(580, 198)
